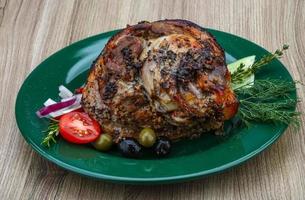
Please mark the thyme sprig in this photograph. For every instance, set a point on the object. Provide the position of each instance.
(53, 131)
(241, 73)
(268, 101)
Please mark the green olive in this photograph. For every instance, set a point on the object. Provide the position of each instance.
(103, 142)
(147, 137)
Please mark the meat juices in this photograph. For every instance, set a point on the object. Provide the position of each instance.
(169, 75)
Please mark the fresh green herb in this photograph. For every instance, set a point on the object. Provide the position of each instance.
(242, 73)
(268, 101)
(267, 89)
(53, 130)
(245, 63)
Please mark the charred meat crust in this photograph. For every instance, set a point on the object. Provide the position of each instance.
(144, 25)
(169, 75)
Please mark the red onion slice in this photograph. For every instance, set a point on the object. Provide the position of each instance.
(54, 107)
(64, 92)
(65, 110)
(49, 102)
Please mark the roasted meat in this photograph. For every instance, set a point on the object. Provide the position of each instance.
(169, 75)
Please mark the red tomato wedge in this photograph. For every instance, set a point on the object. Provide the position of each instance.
(79, 128)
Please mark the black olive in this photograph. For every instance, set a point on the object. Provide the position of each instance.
(162, 147)
(130, 148)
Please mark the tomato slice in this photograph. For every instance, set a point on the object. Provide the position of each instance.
(79, 128)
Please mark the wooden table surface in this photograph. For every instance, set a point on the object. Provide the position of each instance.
(31, 30)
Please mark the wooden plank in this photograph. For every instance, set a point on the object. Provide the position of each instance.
(31, 30)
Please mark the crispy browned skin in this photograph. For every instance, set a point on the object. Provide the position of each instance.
(169, 75)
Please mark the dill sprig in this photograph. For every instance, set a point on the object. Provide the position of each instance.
(241, 73)
(53, 130)
(267, 89)
(269, 112)
(268, 101)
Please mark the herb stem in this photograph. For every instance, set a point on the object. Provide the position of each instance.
(53, 131)
(241, 73)
(268, 100)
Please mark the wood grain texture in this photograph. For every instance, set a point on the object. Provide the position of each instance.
(31, 30)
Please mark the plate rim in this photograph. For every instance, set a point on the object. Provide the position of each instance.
(133, 180)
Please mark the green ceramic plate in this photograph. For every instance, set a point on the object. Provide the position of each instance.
(189, 159)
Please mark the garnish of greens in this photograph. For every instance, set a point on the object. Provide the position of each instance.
(243, 63)
(266, 100)
(242, 72)
(269, 101)
(52, 133)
